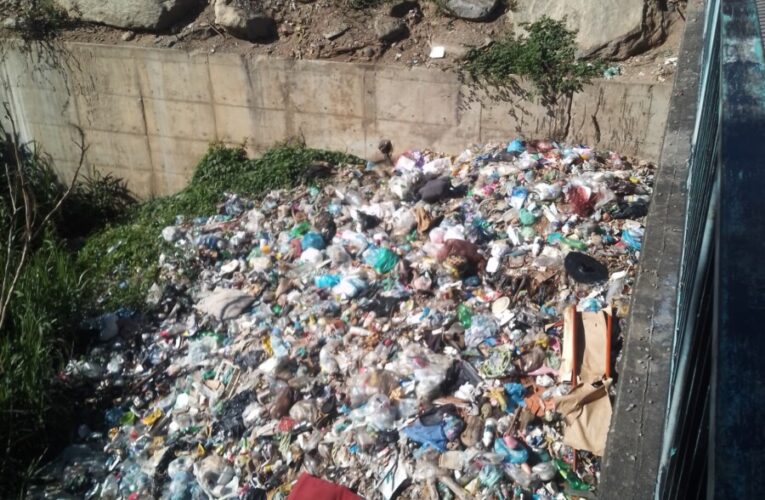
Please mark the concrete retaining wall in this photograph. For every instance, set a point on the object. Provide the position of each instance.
(149, 114)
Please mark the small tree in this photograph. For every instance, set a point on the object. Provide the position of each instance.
(546, 56)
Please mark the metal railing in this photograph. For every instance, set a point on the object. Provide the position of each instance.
(713, 443)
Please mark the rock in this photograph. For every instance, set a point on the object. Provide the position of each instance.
(127, 36)
(243, 19)
(131, 14)
(336, 31)
(613, 29)
(10, 23)
(472, 10)
(389, 29)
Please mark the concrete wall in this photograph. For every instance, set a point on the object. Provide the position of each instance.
(149, 114)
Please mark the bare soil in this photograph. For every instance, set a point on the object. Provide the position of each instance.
(333, 30)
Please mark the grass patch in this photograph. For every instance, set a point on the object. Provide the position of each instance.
(546, 56)
(124, 257)
(43, 318)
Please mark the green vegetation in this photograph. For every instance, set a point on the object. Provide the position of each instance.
(43, 319)
(43, 308)
(546, 57)
(124, 257)
(35, 19)
(59, 286)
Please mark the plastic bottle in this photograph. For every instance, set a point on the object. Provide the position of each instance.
(465, 315)
(279, 346)
(558, 237)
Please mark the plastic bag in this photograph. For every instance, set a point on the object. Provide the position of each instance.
(349, 287)
(385, 260)
(326, 280)
(482, 328)
(312, 240)
(633, 238)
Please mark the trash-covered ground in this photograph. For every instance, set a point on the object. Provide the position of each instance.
(444, 328)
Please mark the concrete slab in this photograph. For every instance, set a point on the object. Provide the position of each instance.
(118, 149)
(187, 120)
(175, 155)
(113, 113)
(174, 80)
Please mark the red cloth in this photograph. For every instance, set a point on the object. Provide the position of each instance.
(309, 487)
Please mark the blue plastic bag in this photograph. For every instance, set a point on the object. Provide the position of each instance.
(633, 238)
(326, 280)
(312, 240)
(516, 146)
(514, 456)
(515, 394)
(432, 435)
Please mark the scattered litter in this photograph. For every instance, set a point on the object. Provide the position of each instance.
(439, 330)
(437, 52)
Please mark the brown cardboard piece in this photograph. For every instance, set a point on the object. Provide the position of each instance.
(591, 345)
(587, 413)
(593, 361)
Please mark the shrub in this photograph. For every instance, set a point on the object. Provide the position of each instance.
(94, 202)
(124, 257)
(546, 56)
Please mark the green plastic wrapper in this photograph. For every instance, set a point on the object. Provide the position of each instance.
(527, 218)
(576, 244)
(300, 229)
(385, 261)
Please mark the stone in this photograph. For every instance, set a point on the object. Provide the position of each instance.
(612, 29)
(127, 36)
(132, 14)
(472, 10)
(335, 31)
(390, 29)
(243, 19)
(10, 23)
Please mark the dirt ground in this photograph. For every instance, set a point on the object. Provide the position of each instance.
(331, 29)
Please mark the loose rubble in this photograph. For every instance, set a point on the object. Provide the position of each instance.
(404, 331)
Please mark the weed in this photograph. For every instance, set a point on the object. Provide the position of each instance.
(36, 19)
(546, 56)
(124, 257)
(43, 315)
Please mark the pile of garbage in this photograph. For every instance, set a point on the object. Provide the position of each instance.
(440, 327)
